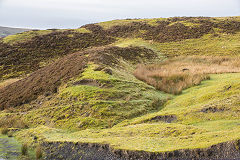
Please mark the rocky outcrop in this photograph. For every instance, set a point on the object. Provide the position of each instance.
(85, 151)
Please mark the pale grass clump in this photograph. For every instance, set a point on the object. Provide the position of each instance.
(170, 82)
(176, 74)
(8, 82)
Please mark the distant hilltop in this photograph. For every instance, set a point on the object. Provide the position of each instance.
(5, 31)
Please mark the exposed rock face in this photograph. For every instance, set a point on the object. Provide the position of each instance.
(84, 151)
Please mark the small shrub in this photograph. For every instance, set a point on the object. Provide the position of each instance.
(4, 131)
(39, 153)
(24, 149)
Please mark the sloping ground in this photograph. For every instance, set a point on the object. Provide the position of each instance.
(42, 81)
(205, 115)
(6, 31)
(222, 45)
(80, 93)
(94, 88)
(27, 52)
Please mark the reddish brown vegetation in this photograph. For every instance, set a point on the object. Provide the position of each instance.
(26, 57)
(42, 81)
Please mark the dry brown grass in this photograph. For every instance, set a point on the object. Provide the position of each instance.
(176, 74)
(8, 82)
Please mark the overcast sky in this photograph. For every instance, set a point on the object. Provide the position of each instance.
(74, 13)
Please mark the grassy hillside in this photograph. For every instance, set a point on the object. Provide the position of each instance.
(6, 31)
(32, 50)
(79, 85)
(204, 115)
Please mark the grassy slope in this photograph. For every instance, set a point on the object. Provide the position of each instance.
(207, 45)
(27, 52)
(27, 36)
(193, 128)
(32, 50)
(89, 106)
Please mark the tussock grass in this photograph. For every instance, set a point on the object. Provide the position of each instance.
(176, 74)
(170, 82)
